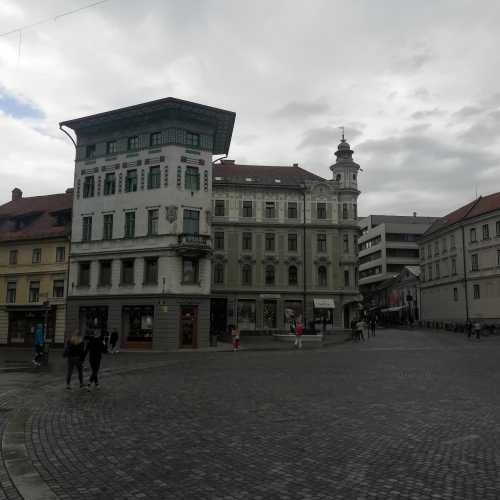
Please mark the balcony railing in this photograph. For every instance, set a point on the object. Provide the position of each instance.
(195, 245)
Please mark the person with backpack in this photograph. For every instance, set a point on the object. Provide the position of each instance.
(96, 346)
(74, 351)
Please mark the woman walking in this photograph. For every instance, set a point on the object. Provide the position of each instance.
(95, 347)
(75, 353)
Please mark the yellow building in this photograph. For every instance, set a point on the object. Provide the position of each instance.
(34, 248)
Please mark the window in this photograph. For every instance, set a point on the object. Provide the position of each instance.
(292, 209)
(270, 210)
(269, 313)
(475, 262)
(453, 265)
(11, 292)
(438, 274)
(191, 222)
(452, 241)
(246, 242)
(430, 272)
(110, 183)
(486, 231)
(346, 278)
(246, 314)
(155, 139)
(127, 272)
(84, 274)
(346, 243)
(151, 271)
(88, 186)
(133, 143)
(13, 257)
(111, 147)
(477, 292)
(36, 256)
(192, 139)
(60, 254)
(292, 242)
(34, 291)
(344, 211)
(292, 275)
(429, 251)
(219, 208)
(129, 231)
(355, 210)
(153, 221)
(498, 257)
(219, 240)
(473, 237)
(321, 242)
(154, 177)
(247, 209)
(246, 274)
(58, 289)
(269, 275)
(105, 272)
(443, 245)
(107, 227)
(498, 228)
(90, 152)
(455, 294)
(321, 210)
(131, 181)
(189, 271)
(322, 276)
(192, 179)
(436, 247)
(219, 273)
(269, 242)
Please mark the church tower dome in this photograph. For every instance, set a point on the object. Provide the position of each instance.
(345, 169)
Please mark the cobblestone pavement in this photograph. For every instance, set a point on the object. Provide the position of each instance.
(405, 415)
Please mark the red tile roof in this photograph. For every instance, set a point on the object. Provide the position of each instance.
(39, 213)
(480, 206)
(262, 174)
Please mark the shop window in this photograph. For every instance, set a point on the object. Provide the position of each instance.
(269, 316)
(58, 289)
(138, 323)
(93, 320)
(246, 314)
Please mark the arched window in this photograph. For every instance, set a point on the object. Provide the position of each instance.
(292, 275)
(246, 274)
(219, 273)
(338, 178)
(322, 281)
(269, 275)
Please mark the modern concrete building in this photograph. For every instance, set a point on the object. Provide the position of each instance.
(387, 244)
(141, 236)
(34, 248)
(284, 245)
(460, 261)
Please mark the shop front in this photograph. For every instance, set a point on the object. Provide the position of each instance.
(24, 320)
(323, 314)
(137, 328)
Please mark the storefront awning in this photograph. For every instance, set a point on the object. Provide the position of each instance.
(324, 303)
(392, 309)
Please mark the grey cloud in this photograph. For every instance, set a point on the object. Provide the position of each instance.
(427, 113)
(326, 136)
(466, 112)
(417, 129)
(414, 61)
(485, 130)
(296, 109)
(421, 93)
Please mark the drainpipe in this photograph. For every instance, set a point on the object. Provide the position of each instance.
(304, 265)
(69, 240)
(465, 277)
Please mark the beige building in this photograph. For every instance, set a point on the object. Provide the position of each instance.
(460, 261)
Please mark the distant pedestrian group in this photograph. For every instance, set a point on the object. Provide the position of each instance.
(363, 329)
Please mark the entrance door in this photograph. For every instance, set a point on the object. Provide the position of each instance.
(188, 327)
(218, 316)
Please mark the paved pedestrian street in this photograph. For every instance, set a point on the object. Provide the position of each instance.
(404, 415)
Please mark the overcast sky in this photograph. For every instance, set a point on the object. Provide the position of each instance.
(416, 84)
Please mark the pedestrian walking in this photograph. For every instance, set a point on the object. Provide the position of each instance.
(477, 329)
(38, 346)
(354, 330)
(235, 335)
(113, 339)
(96, 346)
(361, 326)
(75, 352)
(468, 328)
(299, 330)
(373, 325)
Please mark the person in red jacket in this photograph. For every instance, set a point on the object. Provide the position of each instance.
(235, 334)
(299, 329)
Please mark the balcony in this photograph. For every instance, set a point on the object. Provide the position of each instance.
(193, 245)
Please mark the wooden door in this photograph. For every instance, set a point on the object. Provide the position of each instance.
(188, 327)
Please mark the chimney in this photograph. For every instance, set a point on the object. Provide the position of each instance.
(227, 162)
(295, 165)
(17, 194)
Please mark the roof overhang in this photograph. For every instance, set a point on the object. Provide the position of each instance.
(220, 120)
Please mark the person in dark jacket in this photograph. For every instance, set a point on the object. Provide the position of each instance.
(113, 340)
(75, 353)
(95, 348)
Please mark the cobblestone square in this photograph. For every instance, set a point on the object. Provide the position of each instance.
(405, 415)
